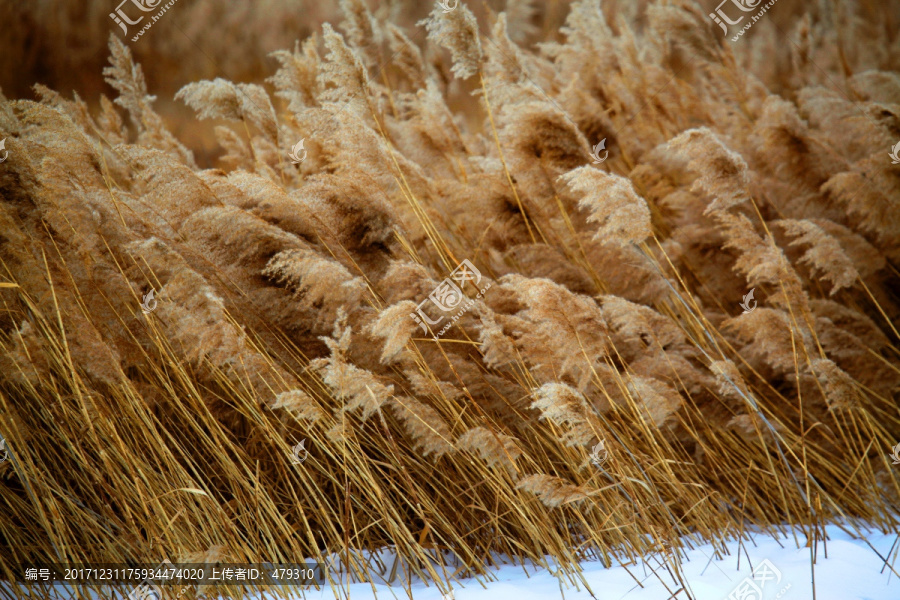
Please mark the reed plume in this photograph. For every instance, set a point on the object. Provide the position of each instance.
(714, 298)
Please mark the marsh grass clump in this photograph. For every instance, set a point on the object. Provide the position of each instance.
(284, 293)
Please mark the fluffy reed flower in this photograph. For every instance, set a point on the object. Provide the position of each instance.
(552, 491)
(360, 388)
(768, 335)
(841, 392)
(316, 281)
(791, 148)
(641, 322)
(457, 31)
(538, 132)
(407, 56)
(761, 260)
(127, 78)
(297, 78)
(561, 333)
(300, 404)
(363, 32)
(497, 449)
(729, 379)
(751, 428)
(867, 191)
(723, 173)
(424, 384)
(343, 76)
(612, 202)
(430, 433)
(397, 327)
(24, 361)
(253, 258)
(521, 15)
(655, 400)
(221, 99)
(686, 25)
(567, 408)
(824, 255)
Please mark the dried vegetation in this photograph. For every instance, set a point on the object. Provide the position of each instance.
(284, 293)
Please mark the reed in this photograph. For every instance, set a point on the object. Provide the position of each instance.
(284, 291)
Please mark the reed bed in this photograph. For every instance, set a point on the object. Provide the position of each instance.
(284, 292)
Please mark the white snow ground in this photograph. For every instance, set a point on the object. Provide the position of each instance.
(851, 571)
